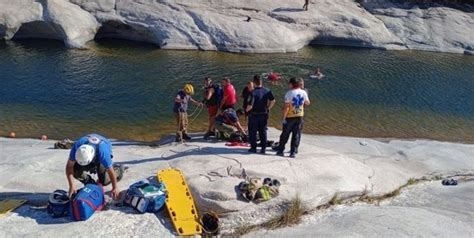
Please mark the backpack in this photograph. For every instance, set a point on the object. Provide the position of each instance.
(88, 199)
(58, 204)
(145, 196)
(219, 93)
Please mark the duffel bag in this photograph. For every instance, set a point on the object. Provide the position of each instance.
(87, 200)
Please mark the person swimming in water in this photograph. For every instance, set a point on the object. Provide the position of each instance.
(317, 74)
(273, 77)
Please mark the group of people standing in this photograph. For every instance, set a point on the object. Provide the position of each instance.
(92, 154)
(258, 102)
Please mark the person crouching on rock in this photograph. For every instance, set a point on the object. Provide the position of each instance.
(180, 109)
(227, 123)
(92, 154)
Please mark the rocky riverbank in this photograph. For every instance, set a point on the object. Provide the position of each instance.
(325, 166)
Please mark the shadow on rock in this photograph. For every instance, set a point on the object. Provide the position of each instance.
(190, 152)
(35, 207)
(287, 9)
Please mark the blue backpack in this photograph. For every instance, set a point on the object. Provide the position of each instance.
(87, 200)
(146, 196)
(219, 93)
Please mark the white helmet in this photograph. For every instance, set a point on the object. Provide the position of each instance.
(85, 154)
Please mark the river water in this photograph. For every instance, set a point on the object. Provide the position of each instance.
(125, 90)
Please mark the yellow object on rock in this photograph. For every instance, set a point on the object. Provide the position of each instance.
(180, 203)
(9, 205)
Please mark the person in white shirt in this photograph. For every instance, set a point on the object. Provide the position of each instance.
(292, 117)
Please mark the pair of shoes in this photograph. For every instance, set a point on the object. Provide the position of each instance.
(252, 150)
(263, 151)
(292, 155)
(280, 153)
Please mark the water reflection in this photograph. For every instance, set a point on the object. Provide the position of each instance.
(125, 90)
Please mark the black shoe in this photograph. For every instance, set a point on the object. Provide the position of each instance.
(186, 137)
(292, 155)
(252, 150)
(209, 134)
(276, 146)
(178, 139)
(263, 152)
(280, 153)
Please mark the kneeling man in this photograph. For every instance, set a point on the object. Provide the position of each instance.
(92, 154)
(228, 123)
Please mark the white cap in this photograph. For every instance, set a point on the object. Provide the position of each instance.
(85, 154)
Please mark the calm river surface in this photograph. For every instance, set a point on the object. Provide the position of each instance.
(125, 90)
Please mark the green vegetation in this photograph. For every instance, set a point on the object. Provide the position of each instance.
(292, 216)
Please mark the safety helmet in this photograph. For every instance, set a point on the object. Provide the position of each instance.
(188, 89)
(85, 154)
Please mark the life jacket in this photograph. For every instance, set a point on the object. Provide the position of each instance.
(216, 97)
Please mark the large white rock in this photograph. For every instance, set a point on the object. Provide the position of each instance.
(14, 13)
(53, 19)
(437, 28)
(424, 210)
(326, 165)
(275, 25)
(74, 25)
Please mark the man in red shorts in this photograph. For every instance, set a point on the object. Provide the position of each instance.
(212, 104)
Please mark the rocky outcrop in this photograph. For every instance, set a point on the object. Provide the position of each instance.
(241, 26)
(52, 19)
(428, 27)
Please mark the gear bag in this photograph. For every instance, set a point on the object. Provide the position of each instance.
(145, 196)
(88, 199)
(58, 204)
(258, 190)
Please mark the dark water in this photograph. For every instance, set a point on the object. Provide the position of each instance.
(125, 90)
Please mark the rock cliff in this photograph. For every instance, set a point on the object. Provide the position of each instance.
(261, 26)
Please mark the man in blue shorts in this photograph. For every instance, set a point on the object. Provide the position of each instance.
(262, 101)
(92, 154)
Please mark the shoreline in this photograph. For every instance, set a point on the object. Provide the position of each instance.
(200, 134)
